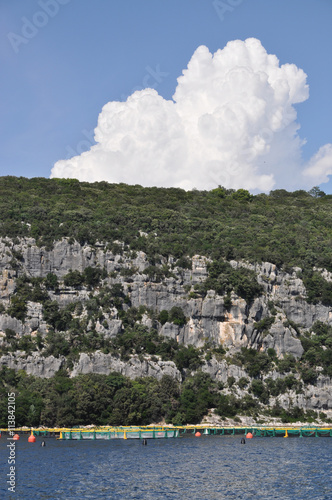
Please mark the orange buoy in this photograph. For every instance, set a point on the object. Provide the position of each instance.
(16, 437)
(249, 435)
(198, 434)
(31, 438)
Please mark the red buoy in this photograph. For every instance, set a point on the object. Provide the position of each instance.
(249, 435)
(16, 437)
(198, 434)
(31, 438)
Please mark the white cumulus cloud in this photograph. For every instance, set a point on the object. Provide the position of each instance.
(231, 122)
(320, 165)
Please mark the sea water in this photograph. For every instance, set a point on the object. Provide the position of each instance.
(204, 468)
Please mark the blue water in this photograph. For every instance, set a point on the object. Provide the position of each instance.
(209, 467)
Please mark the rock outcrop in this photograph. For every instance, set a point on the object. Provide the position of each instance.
(35, 365)
(96, 362)
(133, 368)
(208, 318)
(317, 397)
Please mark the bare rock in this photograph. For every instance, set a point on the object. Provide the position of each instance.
(105, 363)
(282, 340)
(34, 364)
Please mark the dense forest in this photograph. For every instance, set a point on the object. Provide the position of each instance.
(287, 229)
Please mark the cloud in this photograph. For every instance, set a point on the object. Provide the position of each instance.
(320, 165)
(231, 122)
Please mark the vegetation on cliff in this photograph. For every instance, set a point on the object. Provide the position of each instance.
(287, 229)
(116, 400)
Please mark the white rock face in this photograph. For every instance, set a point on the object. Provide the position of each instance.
(7, 322)
(220, 371)
(315, 397)
(282, 340)
(208, 320)
(105, 363)
(96, 362)
(34, 364)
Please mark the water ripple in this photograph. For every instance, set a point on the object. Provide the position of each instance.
(208, 468)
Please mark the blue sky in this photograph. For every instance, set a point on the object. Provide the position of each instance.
(81, 55)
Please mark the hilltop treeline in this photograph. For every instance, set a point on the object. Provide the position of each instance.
(288, 229)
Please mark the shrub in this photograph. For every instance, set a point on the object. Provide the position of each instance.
(117, 290)
(163, 316)
(259, 390)
(243, 382)
(231, 381)
(228, 301)
(286, 364)
(264, 325)
(309, 375)
(254, 362)
(187, 357)
(223, 279)
(227, 406)
(271, 353)
(57, 345)
(184, 263)
(10, 334)
(128, 271)
(58, 319)
(92, 276)
(219, 350)
(51, 282)
(73, 279)
(318, 289)
(272, 308)
(176, 316)
(17, 308)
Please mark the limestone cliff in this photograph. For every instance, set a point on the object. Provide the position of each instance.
(209, 319)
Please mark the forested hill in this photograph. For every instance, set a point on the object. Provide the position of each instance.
(287, 229)
(172, 304)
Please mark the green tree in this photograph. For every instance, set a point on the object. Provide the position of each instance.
(176, 316)
(73, 279)
(51, 282)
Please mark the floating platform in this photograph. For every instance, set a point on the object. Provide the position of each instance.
(174, 432)
(165, 432)
(118, 433)
(266, 431)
